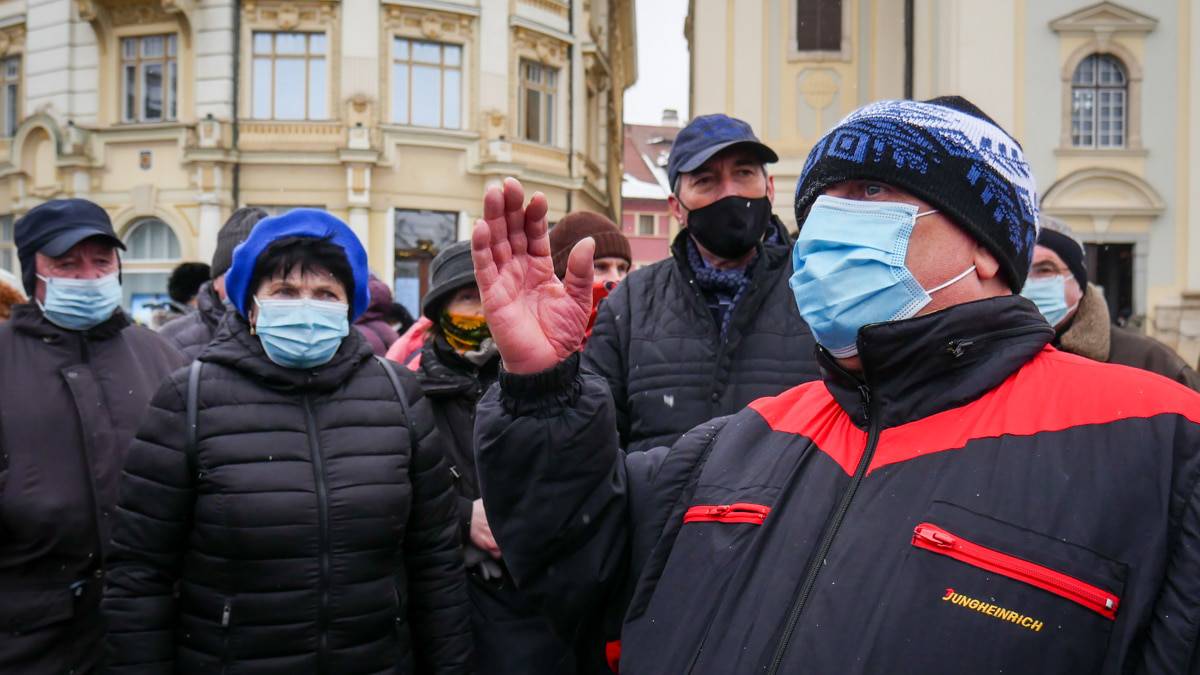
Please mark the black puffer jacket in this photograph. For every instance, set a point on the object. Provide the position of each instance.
(511, 635)
(70, 402)
(453, 391)
(660, 349)
(192, 332)
(307, 534)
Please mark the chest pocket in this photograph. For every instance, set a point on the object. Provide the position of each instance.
(998, 597)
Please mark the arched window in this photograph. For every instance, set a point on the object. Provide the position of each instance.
(152, 251)
(1099, 92)
(151, 239)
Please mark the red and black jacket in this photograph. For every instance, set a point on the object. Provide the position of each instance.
(975, 502)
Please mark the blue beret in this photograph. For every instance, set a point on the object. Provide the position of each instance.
(299, 223)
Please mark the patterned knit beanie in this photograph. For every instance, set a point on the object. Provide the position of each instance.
(575, 227)
(946, 152)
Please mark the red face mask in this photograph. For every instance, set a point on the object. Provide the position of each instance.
(600, 291)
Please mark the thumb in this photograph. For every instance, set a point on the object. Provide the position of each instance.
(578, 278)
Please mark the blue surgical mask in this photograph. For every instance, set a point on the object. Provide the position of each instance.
(301, 333)
(850, 271)
(80, 304)
(1050, 296)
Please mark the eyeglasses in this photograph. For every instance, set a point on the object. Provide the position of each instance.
(1046, 269)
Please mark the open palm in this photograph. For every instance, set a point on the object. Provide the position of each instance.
(535, 319)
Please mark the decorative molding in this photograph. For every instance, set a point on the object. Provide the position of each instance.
(1124, 195)
(428, 23)
(133, 12)
(557, 7)
(284, 15)
(139, 14)
(548, 49)
(12, 40)
(1103, 19)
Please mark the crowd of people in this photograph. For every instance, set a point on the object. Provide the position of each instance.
(907, 438)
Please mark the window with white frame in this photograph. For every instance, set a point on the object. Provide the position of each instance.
(426, 83)
(1099, 96)
(152, 249)
(149, 76)
(8, 248)
(646, 225)
(10, 89)
(538, 102)
(290, 76)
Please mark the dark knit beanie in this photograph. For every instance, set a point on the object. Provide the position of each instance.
(450, 270)
(1069, 250)
(233, 232)
(946, 152)
(575, 227)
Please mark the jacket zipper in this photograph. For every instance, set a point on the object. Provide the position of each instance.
(933, 538)
(318, 461)
(831, 530)
(754, 514)
(226, 615)
(958, 346)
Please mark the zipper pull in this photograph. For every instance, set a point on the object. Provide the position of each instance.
(225, 612)
(957, 348)
(865, 393)
(938, 538)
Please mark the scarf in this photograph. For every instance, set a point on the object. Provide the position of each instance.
(464, 332)
(722, 288)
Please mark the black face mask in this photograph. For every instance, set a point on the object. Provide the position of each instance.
(730, 227)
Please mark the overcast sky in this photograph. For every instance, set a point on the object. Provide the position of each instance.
(662, 62)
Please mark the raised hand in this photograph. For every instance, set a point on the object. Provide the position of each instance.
(536, 320)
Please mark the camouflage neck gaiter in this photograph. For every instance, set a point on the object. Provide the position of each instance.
(464, 332)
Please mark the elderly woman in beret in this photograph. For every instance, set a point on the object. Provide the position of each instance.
(285, 507)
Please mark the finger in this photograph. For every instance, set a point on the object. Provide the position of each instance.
(536, 232)
(515, 215)
(486, 273)
(578, 279)
(493, 214)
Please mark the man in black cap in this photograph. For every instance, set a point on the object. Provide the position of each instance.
(1078, 312)
(76, 378)
(191, 332)
(686, 339)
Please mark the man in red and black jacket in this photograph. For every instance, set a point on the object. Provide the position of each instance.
(954, 495)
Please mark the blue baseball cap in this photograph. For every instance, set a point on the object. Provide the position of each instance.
(707, 135)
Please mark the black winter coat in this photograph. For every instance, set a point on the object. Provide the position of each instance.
(511, 635)
(69, 404)
(659, 347)
(305, 531)
(192, 332)
(975, 502)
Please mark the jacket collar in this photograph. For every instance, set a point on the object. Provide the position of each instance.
(236, 348)
(210, 306)
(28, 318)
(1090, 333)
(922, 366)
(444, 373)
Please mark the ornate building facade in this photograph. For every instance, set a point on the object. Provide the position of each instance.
(392, 114)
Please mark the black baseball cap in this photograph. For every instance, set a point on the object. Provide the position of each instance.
(54, 227)
(707, 135)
